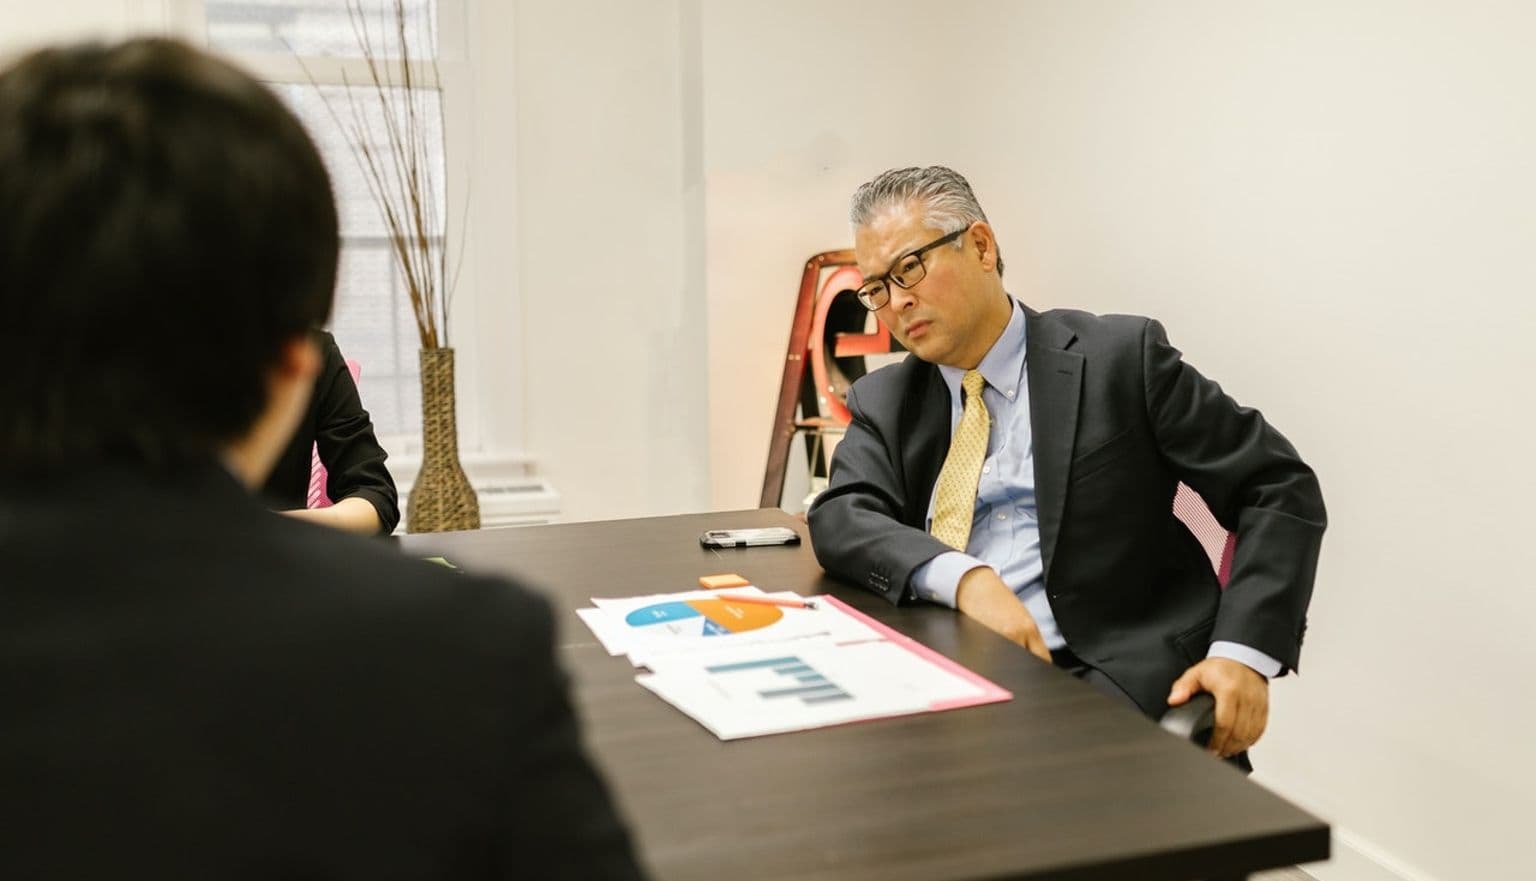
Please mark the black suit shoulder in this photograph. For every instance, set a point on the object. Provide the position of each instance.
(203, 688)
(1092, 334)
(471, 661)
(1109, 324)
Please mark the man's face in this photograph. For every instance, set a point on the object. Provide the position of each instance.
(944, 318)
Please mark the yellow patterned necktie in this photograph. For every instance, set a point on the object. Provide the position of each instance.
(954, 504)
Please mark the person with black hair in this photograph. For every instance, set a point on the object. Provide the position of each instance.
(193, 686)
(337, 429)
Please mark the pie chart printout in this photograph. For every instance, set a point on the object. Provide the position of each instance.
(704, 617)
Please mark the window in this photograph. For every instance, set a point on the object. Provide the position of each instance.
(288, 42)
(316, 27)
(372, 320)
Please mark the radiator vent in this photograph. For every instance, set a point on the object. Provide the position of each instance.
(523, 502)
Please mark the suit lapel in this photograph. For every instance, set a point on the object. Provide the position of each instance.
(927, 434)
(1055, 386)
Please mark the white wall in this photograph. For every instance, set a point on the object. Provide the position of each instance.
(613, 315)
(1330, 206)
(802, 100)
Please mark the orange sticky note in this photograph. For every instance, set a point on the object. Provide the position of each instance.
(728, 579)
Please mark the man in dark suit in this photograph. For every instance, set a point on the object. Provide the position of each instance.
(193, 686)
(1062, 537)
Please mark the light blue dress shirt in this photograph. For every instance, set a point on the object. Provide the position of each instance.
(1005, 528)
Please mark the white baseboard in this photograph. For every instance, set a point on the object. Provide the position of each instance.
(521, 504)
(1357, 859)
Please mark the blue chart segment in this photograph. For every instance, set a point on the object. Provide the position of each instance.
(661, 612)
(707, 617)
(801, 680)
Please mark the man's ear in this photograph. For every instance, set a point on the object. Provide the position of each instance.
(299, 359)
(980, 236)
(290, 381)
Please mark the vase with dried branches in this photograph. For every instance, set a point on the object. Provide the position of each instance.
(385, 125)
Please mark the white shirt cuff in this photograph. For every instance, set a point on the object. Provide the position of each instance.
(938, 580)
(1259, 662)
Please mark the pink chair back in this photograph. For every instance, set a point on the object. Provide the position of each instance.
(316, 497)
(1217, 541)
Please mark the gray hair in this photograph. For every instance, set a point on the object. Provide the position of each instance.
(945, 196)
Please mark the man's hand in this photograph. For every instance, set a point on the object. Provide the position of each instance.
(1242, 702)
(983, 595)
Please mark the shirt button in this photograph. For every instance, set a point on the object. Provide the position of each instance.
(986, 469)
(1009, 393)
(1002, 516)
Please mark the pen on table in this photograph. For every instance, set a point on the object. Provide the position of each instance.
(770, 601)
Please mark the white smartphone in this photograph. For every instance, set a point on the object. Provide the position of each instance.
(743, 538)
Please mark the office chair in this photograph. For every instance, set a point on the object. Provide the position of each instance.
(1217, 541)
(1197, 717)
(317, 497)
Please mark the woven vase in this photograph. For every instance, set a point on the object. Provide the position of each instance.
(441, 499)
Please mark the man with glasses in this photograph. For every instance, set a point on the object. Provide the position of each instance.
(1020, 467)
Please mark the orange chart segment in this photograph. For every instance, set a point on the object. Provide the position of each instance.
(737, 617)
(704, 617)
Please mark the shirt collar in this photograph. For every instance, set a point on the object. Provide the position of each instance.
(1003, 365)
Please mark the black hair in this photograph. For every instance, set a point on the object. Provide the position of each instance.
(166, 227)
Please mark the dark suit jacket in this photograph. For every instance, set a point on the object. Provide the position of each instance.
(338, 425)
(1118, 420)
(194, 687)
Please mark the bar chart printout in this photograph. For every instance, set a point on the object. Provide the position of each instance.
(746, 691)
(794, 679)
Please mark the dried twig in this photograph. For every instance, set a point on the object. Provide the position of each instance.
(400, 177)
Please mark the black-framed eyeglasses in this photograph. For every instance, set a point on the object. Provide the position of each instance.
(907, 271)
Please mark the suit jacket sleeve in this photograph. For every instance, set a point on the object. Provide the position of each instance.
(350, 451)
(1255, 484)
(866, 526)
(560, 821)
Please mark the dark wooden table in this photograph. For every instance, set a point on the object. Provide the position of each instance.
(1059, 783)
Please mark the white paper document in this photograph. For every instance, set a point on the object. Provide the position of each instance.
(649, 626)
(745, 663)
(768, 689)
